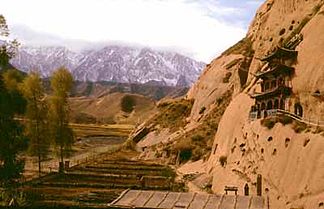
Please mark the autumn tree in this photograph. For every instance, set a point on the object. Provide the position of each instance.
(61, 84)
(36, 115)
(12, 104)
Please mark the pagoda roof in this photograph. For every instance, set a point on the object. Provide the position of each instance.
(280, 90)
(278, 69)
(280, 52)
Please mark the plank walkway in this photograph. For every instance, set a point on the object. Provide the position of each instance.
(177, 200)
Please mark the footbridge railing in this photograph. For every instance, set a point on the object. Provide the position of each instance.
(278, 112)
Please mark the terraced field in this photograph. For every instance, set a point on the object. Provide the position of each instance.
(99, 182)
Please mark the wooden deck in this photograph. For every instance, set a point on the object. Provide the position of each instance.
(176, 200)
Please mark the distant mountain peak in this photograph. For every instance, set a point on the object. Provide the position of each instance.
(112, 63)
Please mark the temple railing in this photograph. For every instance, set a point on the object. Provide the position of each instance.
(254, 115)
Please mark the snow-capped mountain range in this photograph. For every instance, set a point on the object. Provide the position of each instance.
(112, 63)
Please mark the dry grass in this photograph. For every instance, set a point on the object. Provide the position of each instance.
(172, 114)
(198, 142)
(86, 130)
(108, 109)
(243, 47)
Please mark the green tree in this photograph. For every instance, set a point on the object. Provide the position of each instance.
(61, 84)
(36, 113)
(12, 140)
(128, 103)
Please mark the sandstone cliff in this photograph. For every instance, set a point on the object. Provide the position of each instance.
(291, 163)
(289, 157)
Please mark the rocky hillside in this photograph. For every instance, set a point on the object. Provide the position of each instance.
(113, 63)
(287, 150)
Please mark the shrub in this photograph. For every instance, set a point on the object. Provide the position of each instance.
(197, 138)
(243, 47)
(268, 122)
(127, 103)
(223, 160)
(284, 120)
(227, 77)
(299, 126)
(197, 154)
(183, 144)
(185, 155)
(129, 145)
(168, 172)
(173, 114)
(219, 100)
(202, 110)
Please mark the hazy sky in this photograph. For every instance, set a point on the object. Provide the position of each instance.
(201, 28)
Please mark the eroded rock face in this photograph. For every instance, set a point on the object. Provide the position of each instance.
(290, 163)
(289, 158)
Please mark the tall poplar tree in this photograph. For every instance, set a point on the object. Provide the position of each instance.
(61, 84)
(37, 115)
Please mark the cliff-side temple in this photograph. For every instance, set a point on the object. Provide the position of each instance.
(275, 85)
(274, 94)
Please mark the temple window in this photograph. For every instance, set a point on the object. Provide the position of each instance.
(282, 104)
(273, 84)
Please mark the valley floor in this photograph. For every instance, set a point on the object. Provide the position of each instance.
(100, 169)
